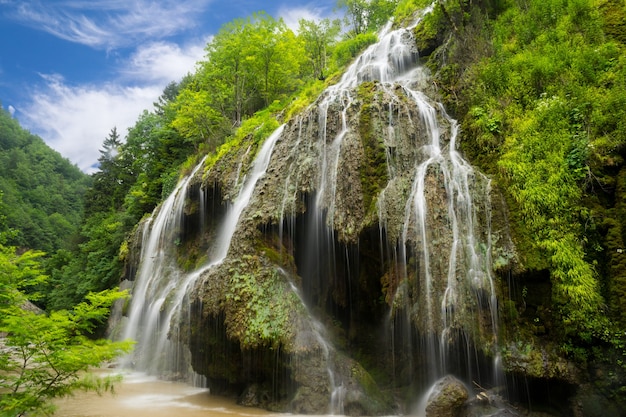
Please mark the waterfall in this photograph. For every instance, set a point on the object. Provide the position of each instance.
(414, 257)
(443, 248)
(159, 307)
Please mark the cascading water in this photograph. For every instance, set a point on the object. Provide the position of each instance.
(159, 307)
(415, 250)
(442, 297)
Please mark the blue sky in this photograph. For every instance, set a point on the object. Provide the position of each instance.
(71, 70)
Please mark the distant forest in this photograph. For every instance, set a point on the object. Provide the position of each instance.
(42, 192)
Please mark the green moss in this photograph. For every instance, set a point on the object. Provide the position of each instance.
(430, 33)
(350, 48)
(616, 251)
(304, 98)
(373, 169)
(255, 129)
(405, 10)
(261, 308)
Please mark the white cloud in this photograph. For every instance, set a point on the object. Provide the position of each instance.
(292, 15)
(75, 119)
(163, 61)
(109, 23)
(11, 110)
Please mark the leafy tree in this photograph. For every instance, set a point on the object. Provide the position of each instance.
(249, 64)
(318, 38)
(169, 94)
(366, 15)
(106, 193)
(226, 72)
(196, 121)
(276, 55)
(45, 356)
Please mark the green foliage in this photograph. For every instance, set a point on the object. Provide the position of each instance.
(258, 128)
(405, 9)
(249, 64)
(43, 192)
(260, 303)
(304, 98)
(541, 93)
(546, 69)
(366, 15)
(46, 356)
(318, 40)
(196, 121)
(348, 49)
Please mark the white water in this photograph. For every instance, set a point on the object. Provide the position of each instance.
(440, 303)
(159, 304)
(337, 395)
(383, 61)
(468, 259)
(159, 297)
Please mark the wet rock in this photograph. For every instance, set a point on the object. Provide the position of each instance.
(254, 396)
(489, 403)
(447, 398)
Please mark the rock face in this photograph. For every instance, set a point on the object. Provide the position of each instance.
(447, 398)
(366, 235)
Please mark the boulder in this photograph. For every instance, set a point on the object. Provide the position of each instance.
(447, 398)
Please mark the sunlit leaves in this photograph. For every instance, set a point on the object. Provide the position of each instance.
(319, 38)
(249, 64)
(45, 356)
(366, 15)
(544, 106)
(196, 120)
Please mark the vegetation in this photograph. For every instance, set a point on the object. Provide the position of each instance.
(541, 93)
(45, 356)
(250, 64)
(43, 191)
(262, 305)
(365, 16)
(538, 85)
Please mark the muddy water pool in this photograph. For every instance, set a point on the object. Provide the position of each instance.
(139, 395)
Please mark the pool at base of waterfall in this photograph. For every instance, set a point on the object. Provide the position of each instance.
(140, 395)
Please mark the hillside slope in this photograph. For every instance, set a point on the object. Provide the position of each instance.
(42, 191)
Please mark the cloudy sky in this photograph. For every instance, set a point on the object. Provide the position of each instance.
(71, 70)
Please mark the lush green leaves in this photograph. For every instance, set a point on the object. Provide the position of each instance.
(319, 39)
(43, 192)
(45, 356)
(249, 64)
(540, 103)
(367, 15)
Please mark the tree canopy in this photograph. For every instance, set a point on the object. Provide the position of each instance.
(46, 355)
(43, 192)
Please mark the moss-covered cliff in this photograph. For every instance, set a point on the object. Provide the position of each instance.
(539, 89)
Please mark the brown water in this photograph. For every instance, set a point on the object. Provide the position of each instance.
(141, 396)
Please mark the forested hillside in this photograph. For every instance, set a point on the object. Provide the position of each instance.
(43, 192)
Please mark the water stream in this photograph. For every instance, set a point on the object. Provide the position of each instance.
(445, 300)
(442, 251)
(159, 305)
